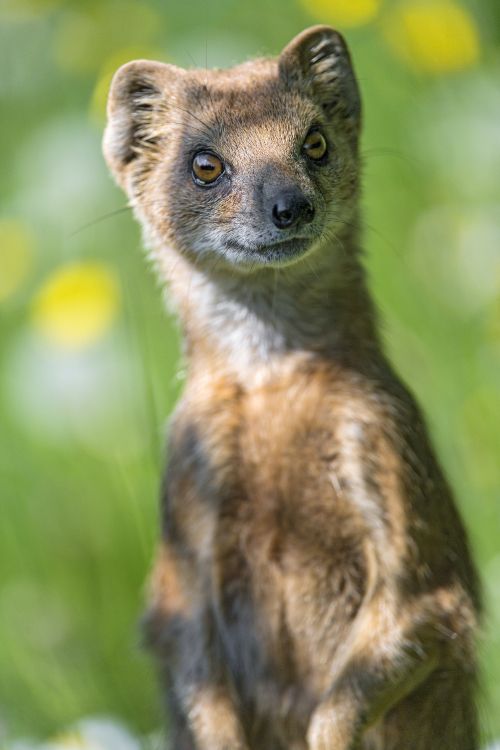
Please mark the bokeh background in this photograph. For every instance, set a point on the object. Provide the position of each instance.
(89, 359)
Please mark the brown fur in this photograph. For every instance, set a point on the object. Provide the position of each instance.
(314, 587)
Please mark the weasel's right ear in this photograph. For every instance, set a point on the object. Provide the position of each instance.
(139, 91)
(318, 62)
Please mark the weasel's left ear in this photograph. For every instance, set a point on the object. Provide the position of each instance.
(318, 61)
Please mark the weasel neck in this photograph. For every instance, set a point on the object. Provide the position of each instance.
(242, 323)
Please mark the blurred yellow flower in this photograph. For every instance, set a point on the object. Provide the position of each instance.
(16, 256)
(77, 304)
(343, 12)
(433, 36)
(70, 741)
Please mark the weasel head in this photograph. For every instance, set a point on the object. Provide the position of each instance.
(247, 168)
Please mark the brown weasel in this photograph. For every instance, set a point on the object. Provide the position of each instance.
(314, 587)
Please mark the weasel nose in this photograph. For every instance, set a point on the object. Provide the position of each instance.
(291, 207)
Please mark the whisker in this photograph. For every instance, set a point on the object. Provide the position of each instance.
(203, 131)
(209, 128)
(100, 218)
(330, 234)
(364, 225)
(385, 151)
(191, 57)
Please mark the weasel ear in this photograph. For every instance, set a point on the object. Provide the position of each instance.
(139, 90)
(318, 61)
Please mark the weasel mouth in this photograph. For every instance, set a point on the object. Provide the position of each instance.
(275, 251)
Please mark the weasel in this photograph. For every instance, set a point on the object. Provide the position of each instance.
(314, 588)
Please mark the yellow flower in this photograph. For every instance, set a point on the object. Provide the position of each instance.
(343, 12)
(433, 36)
(16, 256)
(77, 304)
(70, 741)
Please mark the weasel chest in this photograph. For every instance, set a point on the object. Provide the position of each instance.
(288, 551)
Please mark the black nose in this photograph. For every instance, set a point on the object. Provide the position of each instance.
(289, 208)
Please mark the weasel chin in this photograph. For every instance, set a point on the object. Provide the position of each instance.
(281, 253)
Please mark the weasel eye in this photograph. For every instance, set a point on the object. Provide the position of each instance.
(207, 168)
(314, 146)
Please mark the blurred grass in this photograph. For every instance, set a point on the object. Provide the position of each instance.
(81, 426)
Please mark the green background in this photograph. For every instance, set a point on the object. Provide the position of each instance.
(81, 432)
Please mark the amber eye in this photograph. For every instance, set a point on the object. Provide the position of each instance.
(314, 145)
(207, 167)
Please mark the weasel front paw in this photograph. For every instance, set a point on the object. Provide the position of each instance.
(332, 729)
